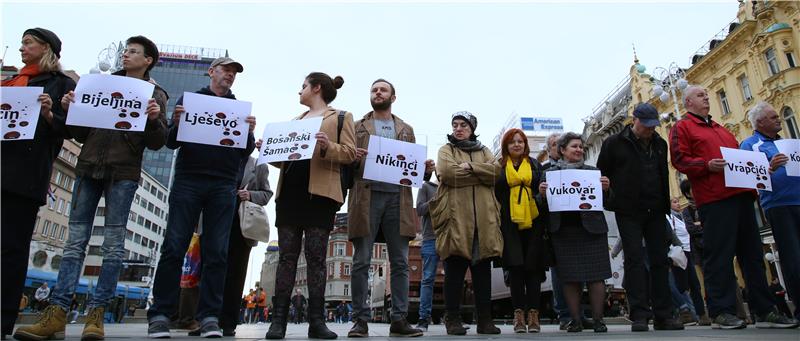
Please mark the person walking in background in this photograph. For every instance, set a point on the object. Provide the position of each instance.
(430, 260)
(41, 296)
(299, 304)
(691, 218)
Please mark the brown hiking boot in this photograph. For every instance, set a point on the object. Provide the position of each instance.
(452, 322)
(519, 321)
(93, 330)
(50, 326)
(533, 321)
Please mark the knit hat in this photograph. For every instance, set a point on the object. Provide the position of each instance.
(467, 117)
(48, 36)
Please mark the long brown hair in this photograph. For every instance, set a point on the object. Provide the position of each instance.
(507, 138)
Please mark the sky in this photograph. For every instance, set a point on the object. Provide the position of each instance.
(494, 59)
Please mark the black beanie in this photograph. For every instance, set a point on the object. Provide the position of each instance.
(48, 36)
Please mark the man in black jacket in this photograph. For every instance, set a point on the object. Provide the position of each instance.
(205, 181)
(635, 160)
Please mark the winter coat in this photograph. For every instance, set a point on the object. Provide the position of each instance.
(256, 178)
(464, 202)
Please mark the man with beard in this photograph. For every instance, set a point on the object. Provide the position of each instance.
(378, 210)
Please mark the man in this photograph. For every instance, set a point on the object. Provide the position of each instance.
(552, 151)
(635, 160)
(251, 306)
(41, 295)
(782, 204)
(381, 210)
(261, 305)
(109, 165)
(299, 303)
(430, 260)
(205, 181)
(728, 218)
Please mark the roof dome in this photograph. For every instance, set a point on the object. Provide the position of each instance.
(272, 246)
(640, 68)
(777, 26)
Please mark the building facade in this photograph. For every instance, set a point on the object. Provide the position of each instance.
(536, 130)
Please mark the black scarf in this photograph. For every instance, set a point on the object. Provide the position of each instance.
(470, 145)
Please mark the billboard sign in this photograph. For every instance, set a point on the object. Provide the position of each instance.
(541, 124)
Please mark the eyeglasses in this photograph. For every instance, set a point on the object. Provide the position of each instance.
(131, 51)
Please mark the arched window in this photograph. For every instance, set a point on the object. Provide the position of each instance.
(791, 123)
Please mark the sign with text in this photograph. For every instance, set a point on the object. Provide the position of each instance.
(289, 141)
(790, 148)
(541, 124)
(574, 190)
(19, 111)
(110, 102)
(395, 162)
(746, 169)
(213, 120)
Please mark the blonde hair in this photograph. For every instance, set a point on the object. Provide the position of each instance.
(49, 62)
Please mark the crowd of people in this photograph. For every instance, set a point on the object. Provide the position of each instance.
(478, 211)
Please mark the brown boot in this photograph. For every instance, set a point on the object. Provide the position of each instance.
(50, 325)
(452, 322)
(93, 330)
(519, 321)
(533, 321)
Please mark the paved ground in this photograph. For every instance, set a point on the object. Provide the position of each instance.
(137, 331)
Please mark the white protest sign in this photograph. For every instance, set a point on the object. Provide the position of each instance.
(213, 120)
(395, 162)
(289, 141)
(19, 111)
(746, 169)
(110, 102)
(574, 190)
(790, 148)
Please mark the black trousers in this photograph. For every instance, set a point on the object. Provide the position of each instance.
(652, 227)
(525, 288)
(238, 257)
(455, 271)
(18, 221)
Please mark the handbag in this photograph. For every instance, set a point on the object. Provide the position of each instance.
(677, 256)
(253, 221)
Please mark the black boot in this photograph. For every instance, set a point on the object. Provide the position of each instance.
(485, 322)
(452, 323)
(316, 320)
(277, 329)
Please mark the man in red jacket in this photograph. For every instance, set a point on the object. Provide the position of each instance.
(728, 217)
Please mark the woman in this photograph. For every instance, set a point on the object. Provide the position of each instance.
(523, 234)
(465, 218)
(580, 242)
(27, 164)
(310, 186)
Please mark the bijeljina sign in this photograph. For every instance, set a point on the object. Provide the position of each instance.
(110, 102)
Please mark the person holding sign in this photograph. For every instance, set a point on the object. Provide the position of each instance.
(635, 160)
(466, 221)
(524, 246)
(205, 181)
(782, 204)
(310, 185)
(381, 211)
(728, 218)
(580, 242)
(27, 164)
(109, 165)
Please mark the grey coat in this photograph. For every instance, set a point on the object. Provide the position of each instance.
(256, 178)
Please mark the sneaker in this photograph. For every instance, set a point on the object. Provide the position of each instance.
(360, 329)
(667, 324)
(775, 320)
(727, 321)
(403, 328)
(687, 318)
(600, 326)
(423, 324)
(575, 327)
(158, 329)
(93, 330)
(639, 326)
(210, 329)
(51, 325)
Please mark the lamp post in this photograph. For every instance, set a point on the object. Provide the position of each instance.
(668, 81)
(107, 59)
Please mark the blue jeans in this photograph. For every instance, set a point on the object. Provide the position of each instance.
(430, 260)
(681, 300)
(192, 194)
(559, 302)
(86, 194)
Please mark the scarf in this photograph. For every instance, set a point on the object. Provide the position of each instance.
(21, 79)
(470, 145)
(523, 209)
(561, 164)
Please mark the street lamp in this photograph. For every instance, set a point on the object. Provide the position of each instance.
(668, 81)
(106, 59)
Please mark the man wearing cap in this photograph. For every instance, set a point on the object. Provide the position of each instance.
(205, 181)
(109, 165)
(635, 160)
(381, 212)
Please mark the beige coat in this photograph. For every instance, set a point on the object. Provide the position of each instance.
(466, 201)
(324, 179)
(358, 201)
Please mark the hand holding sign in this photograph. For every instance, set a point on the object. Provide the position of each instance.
(289, 141)
(20, 111)
(746, 169)
(110, 102)
(574, 190)
(215, 121)
(395, 162)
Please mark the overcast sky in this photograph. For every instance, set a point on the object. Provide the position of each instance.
(547, 59)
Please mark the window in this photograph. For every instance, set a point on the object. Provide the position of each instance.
(160, 195)
(68, 208)
(144, 203)
(151, 244)
(791, 124)
(54, 230)
(137, 238)
(330, 269)
(157, 211)
(790, 59)
(347, 270)
(140, 220)
(61, 203)
(72, 158)
(62, 233)
(338, 249)
(772, 62)
(52, 203)
(45, 227)
(383, 253)
(153, 190)
(95, 250)
(101, 211)
(136, 199)
(144, 241)
(745, 84)
(150, 207)
(132, 216)
(347, 289)
(147, 223)
(129, 235)
(147, 184)
(723, 102)
(98, 230)
(57, 177)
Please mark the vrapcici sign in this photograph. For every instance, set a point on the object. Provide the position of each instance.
(395, 162)
(790, 148)
(289, 141)
(19, 111)
(213, 120)
(746, 169)
(574, 190)
(110, 102)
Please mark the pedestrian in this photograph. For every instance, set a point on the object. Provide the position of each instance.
(524, 247)
(205, 181)
(261, 306)
(109, 165)
(469, 235)
(635, 162)
(782, 204)
(73, 310)
(251, 306)
(681, 283)
(430, 260)
(311, 186)
(728, 217)
(299, 303)
(28, 164)
(41, 296)
(580, 242)
(691, 218)
(379, 211)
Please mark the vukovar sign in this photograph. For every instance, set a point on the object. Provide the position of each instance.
(541, 124)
